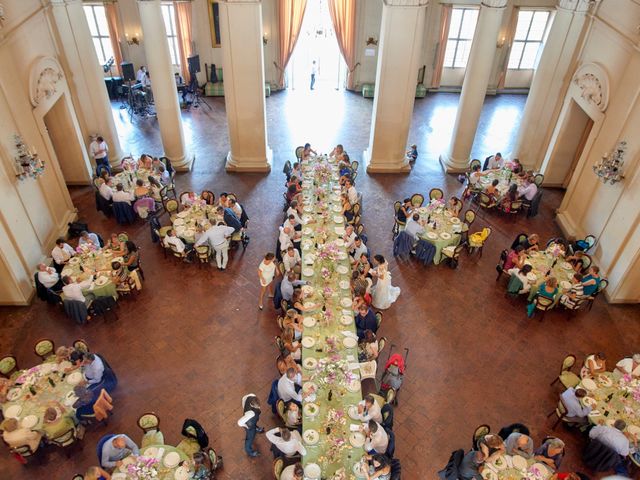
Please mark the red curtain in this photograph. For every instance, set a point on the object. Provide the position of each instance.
(445, 21)
(290, 15)
(183, 31)
(343, 16)
(111, 11)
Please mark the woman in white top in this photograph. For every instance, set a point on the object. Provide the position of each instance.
(522, 273)
(383, 293)
(266, 273)
(593, 365)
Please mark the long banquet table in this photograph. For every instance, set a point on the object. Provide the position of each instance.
(331, 388)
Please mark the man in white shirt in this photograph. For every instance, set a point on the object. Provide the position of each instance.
(171, 239)
(576, 412)
(61, 253)
(287, 386)
(73, 290)
(235, 206)
(105, 190)
(218, 239)
(349, 237)
(93, 369)
(413, 227)
(495, 161)
(377, 438)
(285, 238)
(359, 249)
(120, 195)
(165, 176)
(368, 409)
(100, 153)
(528, 190)
(142, 72)
(314, 72)
(351, 191)
(48, 277)
(17, 436)
(293, 211)
(616, 440)
(87, 238)
(285, 442)
(293, 472)
(291, 260)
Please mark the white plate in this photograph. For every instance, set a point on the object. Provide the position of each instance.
(64, 365)
(352, 411)
(178, 222)
(354, 386)
(308, 342)
(182, 473)
(432, 236)
(151, 452)
(350, 342)
(454, 220)
(13, 394)
(101, 281)
(310, 305)
(346, 302)
(67, 272)
(342, 270)
(310, 363)
(336, 208)
(590, 402)
(311, 436)
(309, 322)
(74, 378)
(13, 411)
(445, 235)
(339, 242)
(310, 409)
(519, 462)
(565, 285)
(589, 384)
(307, 231)
(29, 421)
(74, 260)
(345, 285)
(356, 439)
(489, 474)
(359, 470)
(346, 320)
(312, 471)
(119, 476)
(338, 219)
(339, 230)
(307, 272)
(308, 209)
(171, 459)
(604, 381)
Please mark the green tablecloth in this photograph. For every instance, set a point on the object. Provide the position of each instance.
(505, 176)
(185, 222)
(37, 379)
(541, 263)
(128, 178)
(87, 264)
(504, 469)
(442, 230)
(164, 473)
(330, 282)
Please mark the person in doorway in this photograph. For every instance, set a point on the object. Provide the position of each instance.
(100, 153)
(141, 73)
(314, 72)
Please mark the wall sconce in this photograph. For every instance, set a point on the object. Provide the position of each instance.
(609, 169)
(265, 38)
(372, 41)
(135, 40)
(27, 162)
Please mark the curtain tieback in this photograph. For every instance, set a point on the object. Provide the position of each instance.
(351, 70)
(278, 67)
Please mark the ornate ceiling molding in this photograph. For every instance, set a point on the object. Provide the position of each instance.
(406, 3)
(593, 82)
(494, 3)
(44, 79)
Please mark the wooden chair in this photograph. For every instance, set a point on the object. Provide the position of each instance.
(560, 411)
(485, 201)
(501, 262)
(215, 460)
(23, 450)
(480, 247)
(171, 206)
(478, 433)
(396, 223)
(378, 319)
(382, 342)
(452, 256)
(299, 151)
(436, 194)
(278, 466)
(355, 209)
(591, 241)
(604, 283)
(279, 344)
(587, 261)
(280, 322)
(281, 408)
(515, 207)
(354, 174)
(8, 366)
(392, 397)
(149, 422)
(44, 348)
(183, 195)
(356, 220)
(81, 345)
(469, 217)
(538, 178)
(566, 376)
(65, 440)
(542, 304)
(359, 229)
(417, 199)
(381, 401)
(78, 476)
(181, 255)
(203, 254)
(284, 306)
(473, 163)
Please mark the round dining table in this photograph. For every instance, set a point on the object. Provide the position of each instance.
(167, 461)
(90, 263)
(516, 467)
(441, 228)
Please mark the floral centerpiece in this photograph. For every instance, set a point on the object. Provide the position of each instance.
(329, 252)
(332, 371)
(86, 248)
(555, 250)
(435, 205)
(144, 468)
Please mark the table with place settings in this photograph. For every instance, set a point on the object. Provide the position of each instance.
(441, 228)
(37, 388)
(505, 177)
(160, 462)
(331, 373)
(93, 262)
(550, 259)
(515, 467)
(186, 222)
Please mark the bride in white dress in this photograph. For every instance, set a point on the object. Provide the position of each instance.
(383, 293)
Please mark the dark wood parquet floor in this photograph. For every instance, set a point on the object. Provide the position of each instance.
(193, 342)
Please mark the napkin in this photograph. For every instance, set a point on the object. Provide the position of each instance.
(160, 454)
(354, 428)
(350, 358)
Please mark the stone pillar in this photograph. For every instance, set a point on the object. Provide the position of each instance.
(86, 76)
(474, 88)
(401, 39)
(547, 86)
(165, 94)
(243, 73)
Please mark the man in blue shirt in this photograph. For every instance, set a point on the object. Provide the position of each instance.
(115, 449)
(365, 320)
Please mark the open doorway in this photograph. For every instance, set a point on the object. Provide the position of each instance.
(316, 42)
(68, 151)
(570, 142)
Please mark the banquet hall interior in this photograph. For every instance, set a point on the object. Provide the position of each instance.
(135, 120)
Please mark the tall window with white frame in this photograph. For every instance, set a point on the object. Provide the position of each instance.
(97, 19)
(528, 40)
(461, 29)
(169, 15)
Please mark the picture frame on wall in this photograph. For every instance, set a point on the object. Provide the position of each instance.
(214, 23)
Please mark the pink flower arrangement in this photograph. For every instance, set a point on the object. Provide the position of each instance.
(144, 468)
(325, 273)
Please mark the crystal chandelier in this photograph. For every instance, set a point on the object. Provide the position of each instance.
(609, 169)
(28, 164)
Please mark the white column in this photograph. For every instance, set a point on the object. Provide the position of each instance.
(243, 73)
(165, 94)
(546, 87)
(401, 39)
(87, 75)
(474, 87)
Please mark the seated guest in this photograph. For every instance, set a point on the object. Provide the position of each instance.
(296, 169)
(235, 206)
(295, 211)
(577, 261)
(116, 245)
(514, 165)
(550, 452)
(165, 176)
(87, 238)
(509, 197)
(63, 353)
(223, 200)
(575, 295)
(73, 290)
(368, 409)
(292, 413)
(291, 260)
(55, 423)
(368, 347)
(547, 289)
(359, 249)
(515, 258)
(285, 443)
(349, 237)
(61, 253)
(120, 195)
(593, 365)
(292, 346)
(294, 320)
(105, 189)
(454, 205)
(363, 266)
(377, 439)
(629, 365)
(519, 444)
(492, 190)
(16, 436)
(116, 449)
(491, 446)
(287, 386)
(347, 208)
(93, 370)
(378, 466)
(576, 411)
(528, 190)
(469, 468)
(308, 151)
(521, 274)
(207, 197)
(285, 361)
(351, 191)
(337, 152)
(413, 228)
(131, 255)
(96, 473)
(365, 320)
(293, 472)
(140, 191)
(48, 277)
(288, 284)
(292, 191)
(295, 181)
(119, 274)
(532, 243)
(189, 199)
(615, 438)
(475, 176)
(495, 161)
(86, 398)
(285, 238)
(404, 211)
(171, 239)
(591, 281)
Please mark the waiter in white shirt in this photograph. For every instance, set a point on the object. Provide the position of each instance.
(73, 290)
(100, 153)
(61, 254)
(48, 277)
(218, 239)
(121, 196)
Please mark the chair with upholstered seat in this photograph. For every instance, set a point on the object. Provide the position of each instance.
(203, 254)
(8, 366)
(396, 223)
(542, 304)
(65, 440)
(171, 207)
(279, 344)
(101, 443)
(473, 164)
(81, 345)
(183, 196)
(469, 218)
(566, 376)
(417, 199)
(215, 460)
(452, 254)
(382, 342)
(378, 319)
(478, 433)
(78, 476)
(501, 263)
(44, 348)
(299, 151)
(560, 412)
(281, 408)
(538, 178)
(478, 245)
(604, 283)
(354, 165)
(148, 421)
(485, 201)
(278, 466)
(436, 194)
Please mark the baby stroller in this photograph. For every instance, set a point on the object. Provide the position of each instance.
(393, 376)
